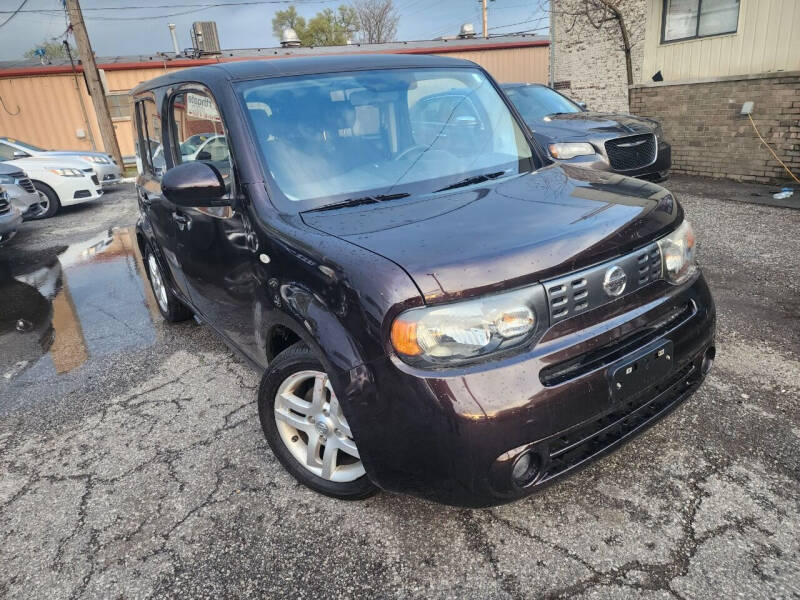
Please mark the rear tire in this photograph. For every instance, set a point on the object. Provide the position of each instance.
(170, 307)
(307, 430)
(50, 202)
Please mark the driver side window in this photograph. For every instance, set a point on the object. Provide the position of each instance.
(198, 131)
(6, 152)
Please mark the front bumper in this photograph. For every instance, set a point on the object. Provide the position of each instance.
(28, 203)
(108, 174)
(9, 223)
(453, 437)
(76, 190)
(656, 171)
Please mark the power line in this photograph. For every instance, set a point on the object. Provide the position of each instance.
(13, 13)
(537, 20)
(193, 5)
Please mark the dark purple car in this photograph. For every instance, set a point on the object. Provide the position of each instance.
(436, 308)
(624, 144)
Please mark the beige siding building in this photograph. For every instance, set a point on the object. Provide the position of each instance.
(695, 63)
(49, 105)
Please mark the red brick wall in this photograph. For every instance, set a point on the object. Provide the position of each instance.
(708, 135)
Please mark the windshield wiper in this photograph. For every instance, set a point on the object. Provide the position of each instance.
(360, 201)
(472, 180)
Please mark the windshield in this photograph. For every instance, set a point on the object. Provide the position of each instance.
(192, 144)
(535, 102)
(329, 138)
(30, 147)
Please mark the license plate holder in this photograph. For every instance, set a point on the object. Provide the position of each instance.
(648, 368)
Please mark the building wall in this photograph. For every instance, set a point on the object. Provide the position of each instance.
(766, 40)
(512, 65)
(710, 137)
(50, 113)
(589, 56)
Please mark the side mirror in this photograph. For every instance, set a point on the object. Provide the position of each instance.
(203, 155)
(582, 105)
(20, 154)
(194, 184)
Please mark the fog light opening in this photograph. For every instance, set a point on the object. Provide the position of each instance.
(525, 469)
(708, 360)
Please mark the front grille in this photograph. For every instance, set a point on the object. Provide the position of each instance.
(26, 184)
(583, 290)
(631, 152)
(580, 445)
(95, 180)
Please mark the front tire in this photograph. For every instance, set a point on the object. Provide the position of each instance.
(50, 203)
(170, 307)
(304, 425)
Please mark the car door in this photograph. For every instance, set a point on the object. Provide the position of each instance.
(215, 245)
(157, 209)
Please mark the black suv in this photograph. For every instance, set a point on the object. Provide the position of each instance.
(436, 308)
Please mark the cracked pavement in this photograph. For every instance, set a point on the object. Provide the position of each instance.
(132, 463)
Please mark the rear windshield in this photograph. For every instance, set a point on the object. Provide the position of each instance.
(535, 102)
(329, 138)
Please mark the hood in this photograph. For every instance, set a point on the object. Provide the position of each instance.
(75, 153)
(508, 233)
(578, 125)
(9, 169)
(48, 162)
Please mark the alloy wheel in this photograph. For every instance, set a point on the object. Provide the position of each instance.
(310, 423)
(157, 281)
(44, 203)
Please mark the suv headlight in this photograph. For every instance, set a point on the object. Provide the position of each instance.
(462, 331)
(67, 172)
(677, 254)
(567, 150)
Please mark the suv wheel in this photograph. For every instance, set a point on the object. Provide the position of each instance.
(172, 309)
(304, 425)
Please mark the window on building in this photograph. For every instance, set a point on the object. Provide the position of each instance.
(119, 105)
(687, 19)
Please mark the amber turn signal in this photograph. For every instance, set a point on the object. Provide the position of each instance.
(404, 338)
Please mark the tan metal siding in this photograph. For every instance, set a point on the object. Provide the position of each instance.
(766, 40)
(50, 112)
(511, 65)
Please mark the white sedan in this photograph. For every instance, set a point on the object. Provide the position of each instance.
(108, 172)
(60, 181)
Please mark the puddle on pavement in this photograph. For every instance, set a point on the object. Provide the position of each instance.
(62, 307)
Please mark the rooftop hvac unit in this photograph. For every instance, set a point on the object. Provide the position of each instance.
(204, 37)
(467, 31)
(289, 38)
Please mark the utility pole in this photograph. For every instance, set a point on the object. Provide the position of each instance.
(93, 80)
(86, 120)
(485, 20)
(552, 49)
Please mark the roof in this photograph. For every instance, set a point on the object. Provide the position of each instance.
(301, 65)
(26, 67)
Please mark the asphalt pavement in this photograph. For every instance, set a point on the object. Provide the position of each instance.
(132, 463)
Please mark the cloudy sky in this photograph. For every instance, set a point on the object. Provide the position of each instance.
(143, 30)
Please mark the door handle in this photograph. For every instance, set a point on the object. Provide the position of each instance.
(182, 220)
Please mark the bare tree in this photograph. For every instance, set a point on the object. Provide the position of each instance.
(598, 13)
(378, 20)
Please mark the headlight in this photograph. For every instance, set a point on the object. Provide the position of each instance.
(6, 179)
(658, 132)
(459, 332)
(96, 159)
(67, 172)
(677, 254)
(566, 150)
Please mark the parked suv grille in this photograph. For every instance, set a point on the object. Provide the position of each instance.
(583, 290)
(26, 184)
(631, 152)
